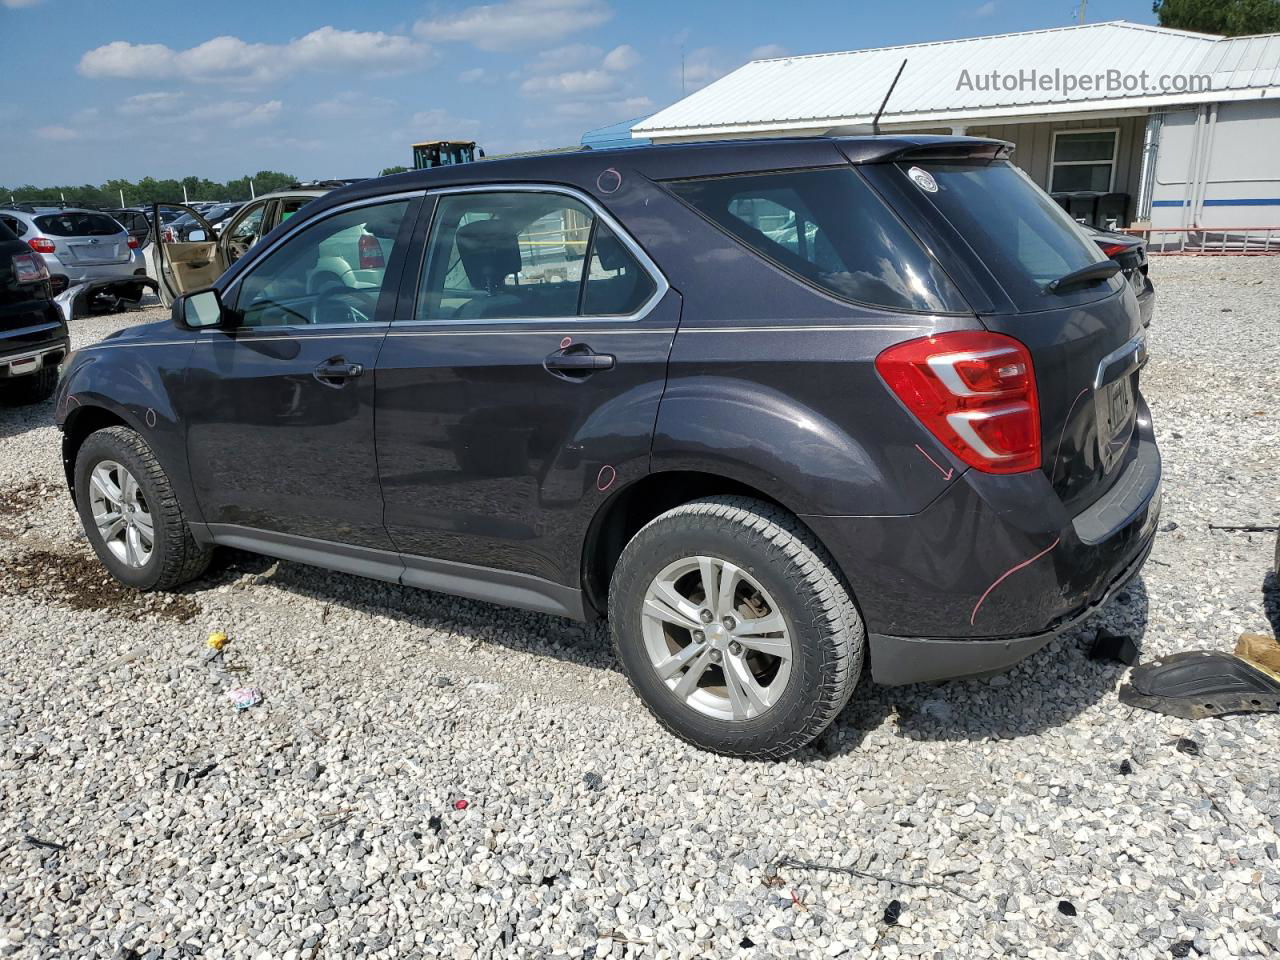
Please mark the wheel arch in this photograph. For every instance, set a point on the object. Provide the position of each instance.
(80, 423)
(622, 516)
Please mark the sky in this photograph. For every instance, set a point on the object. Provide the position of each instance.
(98, 89)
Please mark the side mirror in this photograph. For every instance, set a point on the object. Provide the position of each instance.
(199, 311)
(195, 236)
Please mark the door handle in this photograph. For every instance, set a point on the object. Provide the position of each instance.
(578, 361)
(335, 371)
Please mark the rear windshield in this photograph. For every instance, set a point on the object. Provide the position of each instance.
(78, 225)
(831, 230)
(1023, 237)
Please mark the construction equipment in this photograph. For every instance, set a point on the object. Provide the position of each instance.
(440, 153)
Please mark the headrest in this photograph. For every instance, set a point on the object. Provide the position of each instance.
(489, 250)
(609, 249)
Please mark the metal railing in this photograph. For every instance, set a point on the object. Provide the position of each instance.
(1209, 241)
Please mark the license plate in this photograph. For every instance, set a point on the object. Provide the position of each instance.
(1114, 413)
(30, 365)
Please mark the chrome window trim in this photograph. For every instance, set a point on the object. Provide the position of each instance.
(309, 221)
(660, 284)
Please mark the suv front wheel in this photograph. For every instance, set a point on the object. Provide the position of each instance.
(733, 627)
(131, 514)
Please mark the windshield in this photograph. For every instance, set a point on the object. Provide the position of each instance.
(1024, 238)
(78, 225)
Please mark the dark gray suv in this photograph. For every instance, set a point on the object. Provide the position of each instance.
(773, 407)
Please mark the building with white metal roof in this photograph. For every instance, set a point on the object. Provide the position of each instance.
(1120, 121)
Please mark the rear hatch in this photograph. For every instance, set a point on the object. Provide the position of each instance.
(85, 237)
(1005, 242)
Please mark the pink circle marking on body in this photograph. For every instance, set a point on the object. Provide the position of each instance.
(605, 478)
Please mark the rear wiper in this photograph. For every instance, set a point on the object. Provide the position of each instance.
(1094, 271)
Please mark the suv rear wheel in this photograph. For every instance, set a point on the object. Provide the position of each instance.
(131, 514)
(733, 628)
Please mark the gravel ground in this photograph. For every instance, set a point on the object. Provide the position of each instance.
(433, 777)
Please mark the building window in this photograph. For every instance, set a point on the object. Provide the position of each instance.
(1083, 160)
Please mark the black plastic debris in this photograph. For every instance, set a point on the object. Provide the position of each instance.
(435, 823)
(1188, 746)
(593, 780)
(1181, 949)
(1199, 684)
(1126, 767)
(892, 912)
(1066, 908)
(746, 943)
(1113, 647)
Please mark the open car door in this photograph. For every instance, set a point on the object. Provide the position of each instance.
(182, 265)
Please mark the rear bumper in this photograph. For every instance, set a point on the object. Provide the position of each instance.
(29, 360)
(994, 568)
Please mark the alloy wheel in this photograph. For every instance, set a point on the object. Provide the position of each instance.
(716, 638)
(121, 514)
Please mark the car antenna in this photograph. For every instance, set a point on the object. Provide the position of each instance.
(875, 121)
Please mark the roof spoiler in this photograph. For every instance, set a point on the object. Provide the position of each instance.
(891, 149)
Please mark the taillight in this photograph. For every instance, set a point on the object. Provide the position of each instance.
(133, 243)
(29, 269)
(168, 235)
(975, 392)
(1111, 249)
(370, 252)
(41, 245)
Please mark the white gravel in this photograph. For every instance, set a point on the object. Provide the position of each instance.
(322, 823)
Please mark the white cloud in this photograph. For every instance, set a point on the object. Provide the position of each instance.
(435, 124)
(768, 51)
(621, 58)
(350, 104)
(231, 59)
(515, 23)
(56, 132)
(561, 58)
(15, 4)
(701, 67)
(477, 75)
(573, 83)
(151, 103)
(986, 10)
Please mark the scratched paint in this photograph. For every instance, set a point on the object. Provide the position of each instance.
(946, 474)
(1062, 436)
(1004, 576)
(605, 478)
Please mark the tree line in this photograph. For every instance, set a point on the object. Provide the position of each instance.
(149, 190)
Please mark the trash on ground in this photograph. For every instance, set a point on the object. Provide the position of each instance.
(217, 640)
(44, 844)
(1199, 684)
(1126, 767)
(242, 698)
(1188, 746)
(1181, 949)
(593, 780)
(460, 804)
(1066, 908)
(1261, 651)
(892, 912)
(1247, 527)
(1116, 647)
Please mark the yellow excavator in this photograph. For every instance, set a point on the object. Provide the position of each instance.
(440, 153)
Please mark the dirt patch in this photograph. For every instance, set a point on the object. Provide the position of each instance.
(27, 497)
(82, 583)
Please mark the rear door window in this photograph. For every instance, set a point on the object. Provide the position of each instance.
(1022, 236)
(830, 229)
(78, 225)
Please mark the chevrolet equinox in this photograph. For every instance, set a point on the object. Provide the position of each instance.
(774, 407)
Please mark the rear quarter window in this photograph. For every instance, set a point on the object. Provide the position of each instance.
(78, 225)
(830, 229)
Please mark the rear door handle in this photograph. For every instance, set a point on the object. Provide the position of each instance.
(578, 361)
(335, 371)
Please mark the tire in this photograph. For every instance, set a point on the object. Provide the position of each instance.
(35, 388)
(174, 557)
(780, 569)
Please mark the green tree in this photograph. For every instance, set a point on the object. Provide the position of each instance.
(1230, 18)
(388, 171)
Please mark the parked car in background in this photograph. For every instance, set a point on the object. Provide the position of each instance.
(217, 215)
(79, 246)
(182, 262)
(134, 220)
(1131, 253)
(782, 405)
(33, 334)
